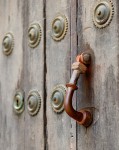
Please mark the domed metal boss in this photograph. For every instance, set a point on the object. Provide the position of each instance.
(34, 35)
(33, 102)
(103, 13)
(8, 44)
(59, 27)
(18, 102)
(57, 98)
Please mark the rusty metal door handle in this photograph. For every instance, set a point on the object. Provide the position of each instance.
(84, 116)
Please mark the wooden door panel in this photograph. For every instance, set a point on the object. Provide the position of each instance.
(48, 65)
(100, 88)
(11, 125)
(23, 69)
(60, 129)
(34, 76)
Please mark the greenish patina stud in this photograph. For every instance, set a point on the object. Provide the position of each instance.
(33, 102)
(8, 43)
(59, 27)
(18, 102)
(34, 35)
(57, 98)
(103, 13)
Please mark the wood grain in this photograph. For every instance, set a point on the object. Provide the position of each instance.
(48, 65)
(34, 75)
(60, 129)
(99, 88)
(74, 46)
(23, 69)
(11, 125)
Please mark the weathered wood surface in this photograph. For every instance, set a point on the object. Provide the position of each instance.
(49, 65)
(34, 75)
(60, 129)
(73, 36)
(11, 126)
(99, 89)
(23, 69)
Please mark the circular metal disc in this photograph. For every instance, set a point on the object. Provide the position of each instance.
(18, 102)
(103, 13)
(59, 27)
(33, 102)
(57, 98)
(8, 43)
(34, 35)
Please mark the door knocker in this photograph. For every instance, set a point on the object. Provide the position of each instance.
(84, 116)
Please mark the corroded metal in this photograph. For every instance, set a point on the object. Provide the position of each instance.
(33, 102)
(18, 102)
(34, 34)
(84, 116)
(103, 13)
(59, 27)
(8, 43)
(57, 98)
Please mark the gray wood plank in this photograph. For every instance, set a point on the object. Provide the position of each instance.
(100, 88)
(74, 44)
(60, 128)
(34, 76)
(11, 125)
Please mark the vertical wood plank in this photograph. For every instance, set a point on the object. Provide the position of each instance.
(74, 44)
(11, 71)
(100, 88)
(60, 129)
(34, 76)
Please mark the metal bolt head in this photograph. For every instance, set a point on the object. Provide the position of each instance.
(57, 98)
(18, 102)
(8, 44)
(34, 35)
(59, 27)
(103, 13)
(100, 12)
(33, 102)
(86, 58)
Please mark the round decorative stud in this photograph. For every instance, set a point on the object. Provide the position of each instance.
(18, 102)
(59, 27)
(34, 34)
(8, 44)
(33, 102)
(103, 13)
(57, 98)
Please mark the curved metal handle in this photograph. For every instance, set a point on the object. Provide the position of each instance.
(83, 117)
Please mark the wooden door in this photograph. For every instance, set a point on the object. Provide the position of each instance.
(48, 65)
(12, 127)
(23, 70)
(27, 68)
(99, 89)
(60, 128)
